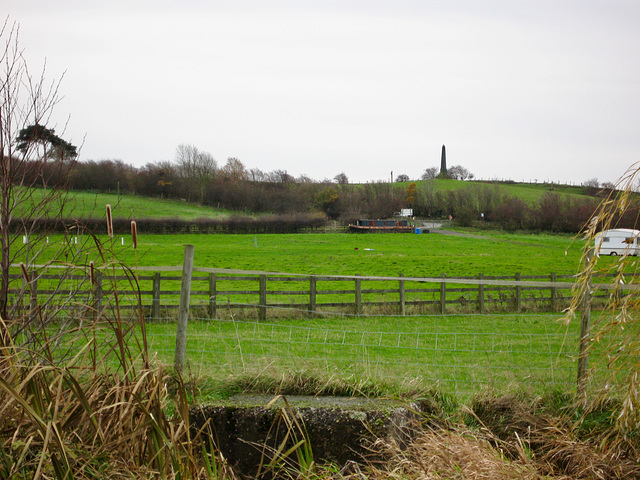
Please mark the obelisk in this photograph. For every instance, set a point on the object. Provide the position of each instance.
(443, 163)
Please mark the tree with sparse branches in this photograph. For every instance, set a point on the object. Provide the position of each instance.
(197, 168)
(341, 178)
(458, 172)
(430, 173)
(31, 154)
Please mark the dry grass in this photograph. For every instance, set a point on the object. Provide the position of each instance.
(457, 453)
(57, 422)
(554, 441)
(73, 409)
(615, 331)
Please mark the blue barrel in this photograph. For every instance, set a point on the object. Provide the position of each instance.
(418, 231)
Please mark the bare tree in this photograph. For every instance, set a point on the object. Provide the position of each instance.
(458, 172)
(197, 168)
(304, 179)
(30, 156)
(591, 186)
(592, 182)
(280, 176)
(430, 173)
(257, 175)
(341, 178)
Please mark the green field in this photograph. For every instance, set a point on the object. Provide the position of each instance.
(490, 253)
(93, 205)
(461, 354)
(377, 255)
(528, 192)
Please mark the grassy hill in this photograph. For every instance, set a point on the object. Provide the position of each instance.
(528, 192)
(93, 205)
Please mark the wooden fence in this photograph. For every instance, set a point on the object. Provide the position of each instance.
(213, 290)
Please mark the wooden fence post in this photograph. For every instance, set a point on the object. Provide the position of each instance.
(262, 308)
(554, 305)
(403, 310)
(183, 310)
(155, 302)
(97, 292)
(518, 294)
(358, 296)
(443, 294)
(585, 334)
(213, 295)
(312, 293)
(33, 293)
(481, 293)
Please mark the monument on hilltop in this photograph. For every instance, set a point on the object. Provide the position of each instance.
(443, 164)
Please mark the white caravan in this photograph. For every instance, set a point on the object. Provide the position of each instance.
(618, 241)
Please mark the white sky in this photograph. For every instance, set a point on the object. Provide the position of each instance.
(515, 89)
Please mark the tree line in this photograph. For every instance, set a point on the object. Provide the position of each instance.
(195, 176)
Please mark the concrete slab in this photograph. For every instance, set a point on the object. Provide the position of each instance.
(247, 429)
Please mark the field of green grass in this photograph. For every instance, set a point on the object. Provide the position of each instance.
(490, 253)
(92, 205)
(453, 353)
(528, 192)
(460, 354)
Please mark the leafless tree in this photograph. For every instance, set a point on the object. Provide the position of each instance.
(197, 168)
(430, 173)
(257, 175)
(341, 178)
(304, 179)
(458, 172)
(280, 176)
(592, 182)
(32, 158)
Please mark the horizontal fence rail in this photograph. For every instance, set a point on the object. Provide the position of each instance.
(216, 290)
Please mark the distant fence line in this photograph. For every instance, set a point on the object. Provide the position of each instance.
(212, 289)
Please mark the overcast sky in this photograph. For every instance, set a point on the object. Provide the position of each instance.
(515, 89)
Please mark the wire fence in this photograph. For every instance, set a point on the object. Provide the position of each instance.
(460, 354)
